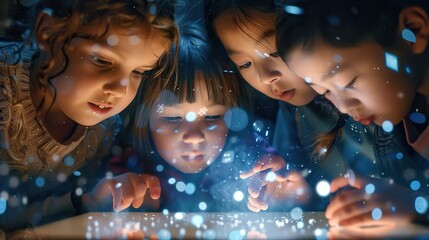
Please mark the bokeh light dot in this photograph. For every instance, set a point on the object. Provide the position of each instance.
(415, 185)
(3, 205)
(418, 117)
(323, 188)
(40, 182)
(296, 213)
(190, 188)
(376, 214)
(180, 186)
(421, 205)
(369, 188)
(399, 155)
(271, 177)
(238, 196)
(190, 116)
(387, 126)
(202, 206)
(171, 180)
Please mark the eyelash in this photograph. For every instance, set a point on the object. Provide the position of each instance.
(351, 85)
(100, 62)
(248, 64)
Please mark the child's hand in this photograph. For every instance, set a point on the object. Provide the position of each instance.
(124, 190)
(366, 204)
(272, 182)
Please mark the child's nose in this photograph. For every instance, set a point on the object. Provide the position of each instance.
(117, 88)
(193, 136)
(267, 72)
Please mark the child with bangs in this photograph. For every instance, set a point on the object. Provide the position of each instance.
(193, 134)
(61, 91)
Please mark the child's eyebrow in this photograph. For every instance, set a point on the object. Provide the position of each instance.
(334, 70)
(266, 34)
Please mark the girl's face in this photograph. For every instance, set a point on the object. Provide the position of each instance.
(103, 75)
(252, 47)
(365, 82)
(189, 136)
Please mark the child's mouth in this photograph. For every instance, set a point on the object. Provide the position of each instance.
(100, 109)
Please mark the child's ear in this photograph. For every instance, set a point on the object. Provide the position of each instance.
(42, 30)
(416, 19)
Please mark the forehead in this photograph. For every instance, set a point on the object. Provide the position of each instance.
(254, 26)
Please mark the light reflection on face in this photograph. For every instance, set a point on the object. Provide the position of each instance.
(103, 75)
(189, 136)
(357, 81)
(253, 49)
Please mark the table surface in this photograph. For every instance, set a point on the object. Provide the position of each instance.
(268, 225)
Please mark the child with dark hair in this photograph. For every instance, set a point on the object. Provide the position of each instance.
(193, 134)
(310, 132)
(60, 92)
(369, 58)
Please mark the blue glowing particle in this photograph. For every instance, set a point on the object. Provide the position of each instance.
(418, 118)
(3, 205)
(190, 188)
(421, 205)
(69, 160)
(369, 188)
(391, 61)
(235, 235)
(295, 10)
(415, 185)
(40, 181)
(180, 186)
(197, 220)
(164, 234)
(387, 126)
(399, 155)
(408, 35)
(376, 214)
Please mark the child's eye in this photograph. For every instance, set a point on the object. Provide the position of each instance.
(352, 83)
(101, 62)
(175, 119)
(275, 54)
(137, 74)
(212, 118)
(246, 65)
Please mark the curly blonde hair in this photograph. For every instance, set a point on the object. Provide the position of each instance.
(69, 15)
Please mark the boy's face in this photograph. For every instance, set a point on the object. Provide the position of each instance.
(365, 82)
(103, 75)
(252, 48)
(189, 136)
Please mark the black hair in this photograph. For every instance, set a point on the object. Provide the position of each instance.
(340, 23)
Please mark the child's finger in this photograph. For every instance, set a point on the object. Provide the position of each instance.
(285, 174)
(258, 203)
(343, 199)
(138, 202)
(127, 194)
(116, 194)
(247, 174)
(357, 208)
(256, 185)
(152, 182)
(273, 162)
(252, 208)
